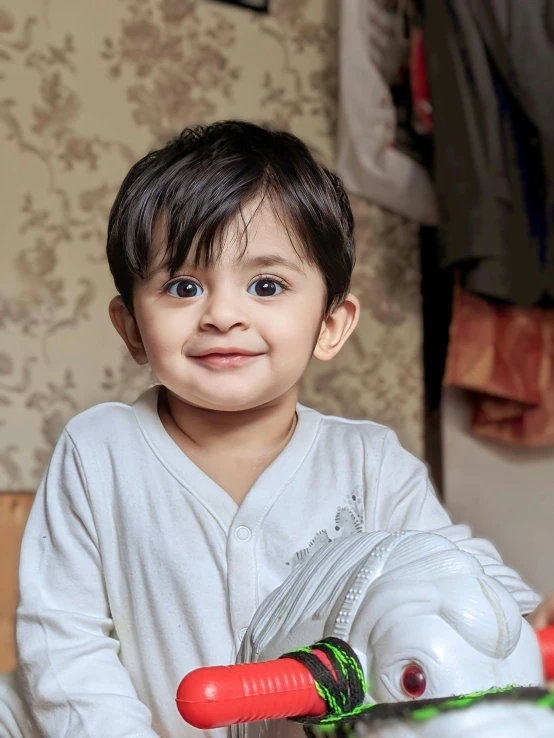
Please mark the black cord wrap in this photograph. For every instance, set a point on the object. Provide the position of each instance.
(343, 687)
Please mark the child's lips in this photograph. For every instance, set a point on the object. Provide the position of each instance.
(229, 359)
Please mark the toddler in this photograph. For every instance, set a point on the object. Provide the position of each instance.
(160, 527)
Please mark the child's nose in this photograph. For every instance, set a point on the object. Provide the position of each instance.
(223, 312)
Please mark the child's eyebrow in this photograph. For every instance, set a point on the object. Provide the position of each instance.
(256, 262)
(271, 260)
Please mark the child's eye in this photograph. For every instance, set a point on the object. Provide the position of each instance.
(265, 288)
(184, 288)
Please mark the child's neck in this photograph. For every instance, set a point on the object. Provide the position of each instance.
(233, 448)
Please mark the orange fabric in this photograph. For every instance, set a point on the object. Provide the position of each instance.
(504, 356)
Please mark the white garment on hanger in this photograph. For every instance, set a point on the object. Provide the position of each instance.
(367, 161)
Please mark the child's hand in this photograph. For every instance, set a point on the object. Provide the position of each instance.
(543, 615)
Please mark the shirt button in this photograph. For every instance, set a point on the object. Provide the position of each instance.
(243, 533)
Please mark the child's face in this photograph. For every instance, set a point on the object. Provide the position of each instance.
(238, 334)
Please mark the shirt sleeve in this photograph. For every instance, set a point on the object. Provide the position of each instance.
(73, 683)
(406, 501)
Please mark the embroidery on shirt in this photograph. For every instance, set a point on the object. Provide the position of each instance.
(349, 519)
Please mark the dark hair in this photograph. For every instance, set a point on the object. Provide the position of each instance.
(201, 180)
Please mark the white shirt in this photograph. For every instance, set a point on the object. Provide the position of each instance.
(137, 568)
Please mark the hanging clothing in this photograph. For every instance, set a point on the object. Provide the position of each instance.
(504, 355)
(493, 112)
(371, 51)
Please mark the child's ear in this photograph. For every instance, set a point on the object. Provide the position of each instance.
(126, 325)
(337, 328)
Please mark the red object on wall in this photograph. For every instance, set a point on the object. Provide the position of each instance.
(421, 96)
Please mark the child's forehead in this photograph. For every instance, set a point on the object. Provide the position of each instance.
(256, 239)
(240, 259)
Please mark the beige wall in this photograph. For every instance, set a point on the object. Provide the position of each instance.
(88, 87)
(506, 494)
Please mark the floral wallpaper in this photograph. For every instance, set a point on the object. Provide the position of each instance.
(86, 88)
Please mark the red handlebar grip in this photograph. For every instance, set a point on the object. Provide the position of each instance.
(546, 643)
(218, 696)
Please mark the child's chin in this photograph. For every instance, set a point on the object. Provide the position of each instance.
(228, 399)
(229, 403)
(233, 405)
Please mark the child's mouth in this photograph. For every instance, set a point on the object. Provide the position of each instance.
(225, 360)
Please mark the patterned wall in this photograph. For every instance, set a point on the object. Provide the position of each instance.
(86, 88)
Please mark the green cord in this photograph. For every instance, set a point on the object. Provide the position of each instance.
(344, 693)
(410, 710)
